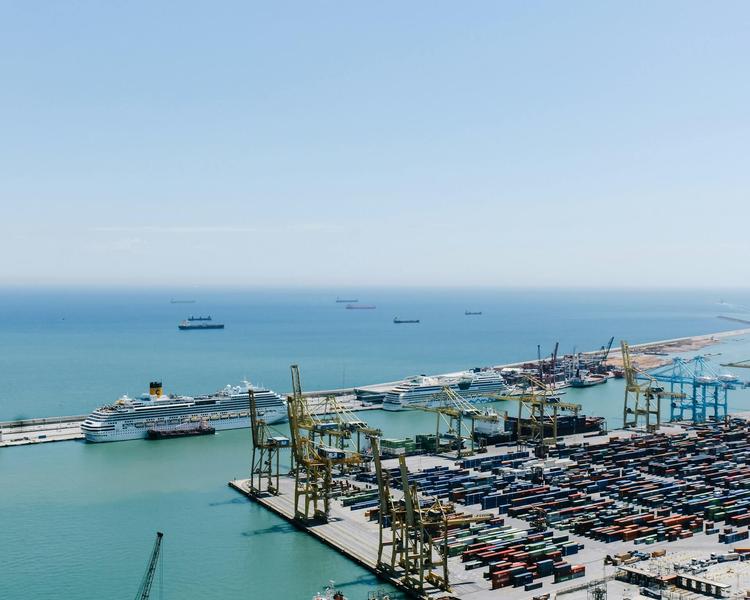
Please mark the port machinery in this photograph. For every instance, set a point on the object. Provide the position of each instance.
(266, 448)
(144, 590)
(453, 409)
(698, 390)
(643, 395)
(313, 461)
(414, 551)
(539, 405)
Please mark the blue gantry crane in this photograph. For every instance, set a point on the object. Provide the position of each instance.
(699, 392)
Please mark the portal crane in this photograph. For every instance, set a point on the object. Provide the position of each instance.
(266, 450)
(543, 407)
(144, 591)
(643, 394)
(415, 552)
(453, 409)
(313, 460)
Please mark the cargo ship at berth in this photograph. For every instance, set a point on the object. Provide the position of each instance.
(200, 323)
(187, 430)
(471, 385)
(229, 408)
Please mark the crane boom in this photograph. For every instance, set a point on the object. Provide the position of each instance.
(144, 591)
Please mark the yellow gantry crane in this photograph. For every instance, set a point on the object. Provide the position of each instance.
(349, 429)
(415, 549)
(452, 409)
(542, 406)
(643, 395)
(264, 466)
(314, 460)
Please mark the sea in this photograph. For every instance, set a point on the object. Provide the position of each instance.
(79, 520)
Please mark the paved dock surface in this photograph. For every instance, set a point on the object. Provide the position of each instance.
(357, 538)
(37, 431)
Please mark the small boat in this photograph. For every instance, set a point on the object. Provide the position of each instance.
(397, 320)
(360, 306)
(472, 312)
(586, 380)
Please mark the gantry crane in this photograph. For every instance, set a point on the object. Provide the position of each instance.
(643, 394)
(415, 552)
(696, 389)
(543, 407)
(344, 428)
(313, 460)
(266, 449)
(452, 409)
(144, 591)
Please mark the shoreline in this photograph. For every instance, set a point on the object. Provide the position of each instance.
(67, 428)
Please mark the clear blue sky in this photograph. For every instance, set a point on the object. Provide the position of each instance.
(347, 143)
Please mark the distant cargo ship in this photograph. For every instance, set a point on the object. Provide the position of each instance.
(229, 408)
(472, 312)
(200, 323)
(174, 301)
(360, 306)
(397, 320)
(341, 300)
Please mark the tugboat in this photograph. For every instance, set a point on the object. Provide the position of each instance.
(200, 323)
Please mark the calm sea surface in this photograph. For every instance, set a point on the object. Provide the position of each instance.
(78, 520)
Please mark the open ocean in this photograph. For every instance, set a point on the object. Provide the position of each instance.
(78, 520)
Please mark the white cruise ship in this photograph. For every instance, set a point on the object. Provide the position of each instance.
(229, 408)
(470, 385)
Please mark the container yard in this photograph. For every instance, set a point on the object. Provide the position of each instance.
(527, 527)
(543, 515)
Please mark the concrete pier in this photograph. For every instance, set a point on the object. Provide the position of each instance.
(36, 431)
(351, 534)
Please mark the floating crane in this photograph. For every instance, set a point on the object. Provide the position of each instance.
(313, 460)
(144, 591)
(266, 450)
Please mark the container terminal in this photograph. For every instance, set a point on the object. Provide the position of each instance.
(658, 509)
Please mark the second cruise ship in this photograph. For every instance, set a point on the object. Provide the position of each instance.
(229, 408)
(421, 389)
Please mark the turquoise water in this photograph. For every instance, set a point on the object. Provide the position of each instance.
(78, 519)
(63, 353)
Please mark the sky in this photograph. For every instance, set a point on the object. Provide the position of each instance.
(425, 143)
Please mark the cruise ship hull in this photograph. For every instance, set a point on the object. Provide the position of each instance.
(137, 430)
